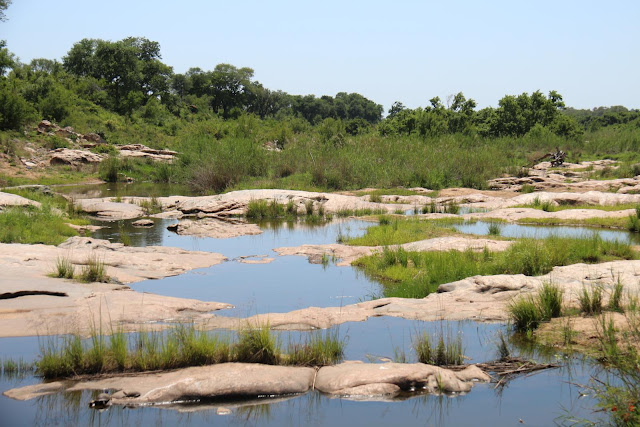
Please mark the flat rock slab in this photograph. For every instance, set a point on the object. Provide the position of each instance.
(215, 228)
(8, 199)
(24, 268)
(389, 379)
(65, 156)
(226, 380)
(236, 202)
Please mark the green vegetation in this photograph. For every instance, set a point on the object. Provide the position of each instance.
(439, 350)
(395, 230)
(318, 349)
(259, 137)
(182, 346)
(93, 270)
(417, 274)
(64, 268)
(47, 224)
(528, 311)
(590, 300)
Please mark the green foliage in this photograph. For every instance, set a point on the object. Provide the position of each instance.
(34, 225)
(257, 345)
(590, 300)
(401, 230)
(318, 349)
(64, 268)
(524, 314)
(93, 270)
(615, 299)
(549, 301)
(439, 350)
(425, 271)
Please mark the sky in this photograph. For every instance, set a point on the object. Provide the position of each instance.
(407, 51)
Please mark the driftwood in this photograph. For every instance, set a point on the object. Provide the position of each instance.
(557, 158)
(508, 368)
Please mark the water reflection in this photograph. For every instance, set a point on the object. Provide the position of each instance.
(540, 232)
(119, 189)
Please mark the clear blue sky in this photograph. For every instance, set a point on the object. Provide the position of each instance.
(408, 51)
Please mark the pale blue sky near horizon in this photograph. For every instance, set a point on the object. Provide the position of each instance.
(408, 51)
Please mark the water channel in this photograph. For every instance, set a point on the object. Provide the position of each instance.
(289, 283)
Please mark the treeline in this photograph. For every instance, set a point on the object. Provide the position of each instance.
(600, 117)
(128, 77)
(515, 116)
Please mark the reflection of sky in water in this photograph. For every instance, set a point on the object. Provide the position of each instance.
(289, 283)
(540, 232)
(286, 284)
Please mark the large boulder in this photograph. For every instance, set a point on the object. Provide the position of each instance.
(66, 156)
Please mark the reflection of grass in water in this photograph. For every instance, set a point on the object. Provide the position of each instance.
(260, 412)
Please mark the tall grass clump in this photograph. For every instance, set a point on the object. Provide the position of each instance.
(318, 349)
(495, 228)
(94, 270)
(590, 300)
(257, 345)
(524, 313)
(634, 221)
(528, 311)
(64, 268)
(441, 350)
(615, 299)
(549, 301)
(110, 169)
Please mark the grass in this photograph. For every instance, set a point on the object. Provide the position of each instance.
(438, 350)
(257, 345)
(450, 208)
(417, 274)
(620, 222)
(615, 298)
(93, 270)
(318, 349)
(64, 268)
(562, 207)
(345, 213)
(528, 311)
(395, 231)
(590, 300)
(495, 228)
(47, 224)
(150, 206)
(182, 346)
(31, 225)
